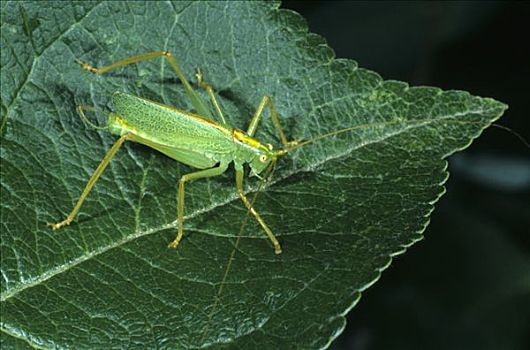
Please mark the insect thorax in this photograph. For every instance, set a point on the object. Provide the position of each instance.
(251, 151)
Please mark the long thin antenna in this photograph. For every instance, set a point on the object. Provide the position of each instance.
(394, 122)
(341, 131)
(514, 133)
(261, 184)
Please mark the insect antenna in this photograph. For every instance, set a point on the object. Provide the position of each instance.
(514, 133)
(333, 133)
(261, 185)
(411, 122)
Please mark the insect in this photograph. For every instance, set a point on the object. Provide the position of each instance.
(193, 139)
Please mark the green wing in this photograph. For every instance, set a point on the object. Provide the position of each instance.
(183, 136)
(188, 157)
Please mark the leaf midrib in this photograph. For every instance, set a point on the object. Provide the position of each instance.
(103, 249)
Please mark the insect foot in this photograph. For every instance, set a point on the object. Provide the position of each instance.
(58, 225)
(174, 244)
(293, 143)
(200, 78)
(87, 66)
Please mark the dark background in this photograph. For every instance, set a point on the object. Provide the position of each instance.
(467, 284)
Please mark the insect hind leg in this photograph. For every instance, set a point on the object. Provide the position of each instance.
(199, 105)
(91, 182)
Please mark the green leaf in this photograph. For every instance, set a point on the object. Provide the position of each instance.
(341, 207)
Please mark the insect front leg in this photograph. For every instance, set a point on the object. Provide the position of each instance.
(204, 85)
(198, 103)
(240, 173)
(180, 200)
(266, 101)
(95, 176)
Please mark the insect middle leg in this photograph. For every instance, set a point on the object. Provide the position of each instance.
(239, 184)
(266, 101)
(180, 205)
(91, 182)
(198, 103)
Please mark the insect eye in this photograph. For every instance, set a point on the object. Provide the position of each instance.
(263, 158)
(269, 146)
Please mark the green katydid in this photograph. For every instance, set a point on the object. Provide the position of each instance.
(195, 140)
